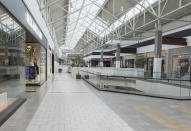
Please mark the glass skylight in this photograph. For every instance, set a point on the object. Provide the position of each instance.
(83, 16)
(98, 26)
(7, 23)
(129, 15)
(85, 9)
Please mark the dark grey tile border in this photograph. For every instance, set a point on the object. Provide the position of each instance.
(5, 114)
(33, 84)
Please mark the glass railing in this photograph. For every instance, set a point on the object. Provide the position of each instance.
(171, 85)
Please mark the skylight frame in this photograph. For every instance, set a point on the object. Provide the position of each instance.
(137, 9)
(79, 31)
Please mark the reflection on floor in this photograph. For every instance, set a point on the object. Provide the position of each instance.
(182, 108)
(5, 105)
(22, 117)
(74, 105)
(164, 120)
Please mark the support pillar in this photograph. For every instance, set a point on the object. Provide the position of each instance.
(157, 65)
(101, 59)
(89, 64)
(118, 56)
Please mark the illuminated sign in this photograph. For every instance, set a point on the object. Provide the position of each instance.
(33, 25)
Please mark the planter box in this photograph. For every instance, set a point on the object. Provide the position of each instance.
(86, 76)
(60, 70)
(78, 76)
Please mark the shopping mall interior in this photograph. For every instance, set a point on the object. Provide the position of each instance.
(95, 65)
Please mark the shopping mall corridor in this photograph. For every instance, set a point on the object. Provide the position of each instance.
(67, 104)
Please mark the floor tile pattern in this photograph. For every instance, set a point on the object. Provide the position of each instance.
(67, 104)
(71, 106)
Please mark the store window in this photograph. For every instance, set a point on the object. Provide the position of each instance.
(12, 60)
(181, 66)
(129, 63)
(150, 66)
(150, 62)
(35, 64)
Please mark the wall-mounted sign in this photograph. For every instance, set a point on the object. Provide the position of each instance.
(25, 18)
(33, 25)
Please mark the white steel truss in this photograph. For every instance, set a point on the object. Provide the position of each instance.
(80, 27)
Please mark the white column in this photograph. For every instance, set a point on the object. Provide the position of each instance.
(157, 68)
(101, 59)
(157, 65)
(118, 55)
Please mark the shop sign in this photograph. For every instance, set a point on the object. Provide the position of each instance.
(33, 25)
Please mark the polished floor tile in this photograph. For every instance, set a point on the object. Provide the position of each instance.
(71, 106)
(67, 104)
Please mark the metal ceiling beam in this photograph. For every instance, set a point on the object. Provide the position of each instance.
(95, 16)
(50, 4)
(109, 13)
(60, 18)
(162, 17)
(74, 21)
(77, 20)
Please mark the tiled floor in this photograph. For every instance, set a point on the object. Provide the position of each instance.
(71, 106)
(22, 117)
(74, 105)
(131, 108)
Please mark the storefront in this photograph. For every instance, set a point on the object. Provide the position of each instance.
(181, 67)
(12, 62)
(107, 62)
(94, 62)
(36, 59)
(179, 62)
(129, 63)
(147, 58)
(113, 62)
(23, 47)
(149, 64)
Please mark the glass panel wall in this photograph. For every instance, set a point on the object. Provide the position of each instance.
(12, 60)
(134, 81)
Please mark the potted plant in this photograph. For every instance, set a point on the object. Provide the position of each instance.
(77, 61)
(60, 70)
(78, 76)
(86, 76)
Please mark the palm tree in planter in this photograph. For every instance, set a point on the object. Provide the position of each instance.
(60, 70)
(77, 60)
(78, 76)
